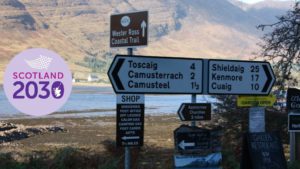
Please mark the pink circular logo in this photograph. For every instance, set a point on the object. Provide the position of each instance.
(37, 82)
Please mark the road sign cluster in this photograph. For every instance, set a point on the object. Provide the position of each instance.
(167, 75)
(132, 76)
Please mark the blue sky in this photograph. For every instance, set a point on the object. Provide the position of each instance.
(251, 1)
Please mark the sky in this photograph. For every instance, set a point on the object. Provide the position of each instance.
(252, 1)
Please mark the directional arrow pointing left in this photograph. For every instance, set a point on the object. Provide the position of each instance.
(114, 71)
(155, 75)
(194, 111)
(180, 112)
(184, 144)
(130, 138)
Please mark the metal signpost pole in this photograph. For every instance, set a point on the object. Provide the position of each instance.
(121, 28)
(194, 100)
(297, 146)
(127, 149)
(292, 146)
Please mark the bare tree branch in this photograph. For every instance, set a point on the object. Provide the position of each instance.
(281, 46)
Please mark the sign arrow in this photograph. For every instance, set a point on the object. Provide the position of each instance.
(115, 73)
(180, 112)
(169, 75)
(240, 77)
(269, 78)
(156, 75)
(184, 144)
(130, 138)
(143, 26)
(194, 111)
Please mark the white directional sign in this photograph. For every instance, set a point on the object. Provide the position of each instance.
(160, 75)
(239, 77)
(166, 75)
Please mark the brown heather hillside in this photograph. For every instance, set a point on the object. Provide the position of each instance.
(79, 29)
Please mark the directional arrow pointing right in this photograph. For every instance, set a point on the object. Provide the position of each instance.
(269, 79)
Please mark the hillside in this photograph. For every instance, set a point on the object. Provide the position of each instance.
(79, 29)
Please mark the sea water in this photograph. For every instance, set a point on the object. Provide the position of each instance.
(101, 101)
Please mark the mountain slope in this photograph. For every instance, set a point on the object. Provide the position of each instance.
(79, 29)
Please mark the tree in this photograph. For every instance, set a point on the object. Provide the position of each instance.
(282, 45)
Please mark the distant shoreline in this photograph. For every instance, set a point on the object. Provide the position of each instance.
(81, 84)
(92, 84)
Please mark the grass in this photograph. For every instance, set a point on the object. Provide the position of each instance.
(65, 158)
(151, 155)
(72, 158)
(294, 165)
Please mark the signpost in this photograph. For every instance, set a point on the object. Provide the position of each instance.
(293, 100)
(197, 147)
(129, 29)
(195, 111)
(130, 120)
(293, 108)
(197, 140)
(156, 75)
(256, 101)
(294, 122)
(240, 77)
(262, 151)
(257, 119)
(166, 75)
(169, 75)
(257, 106)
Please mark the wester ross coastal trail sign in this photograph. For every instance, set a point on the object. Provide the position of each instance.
(129, 29)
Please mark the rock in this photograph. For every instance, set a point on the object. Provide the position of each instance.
(55, 129)
(6, 126)
(11, 132)
(34, 131)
